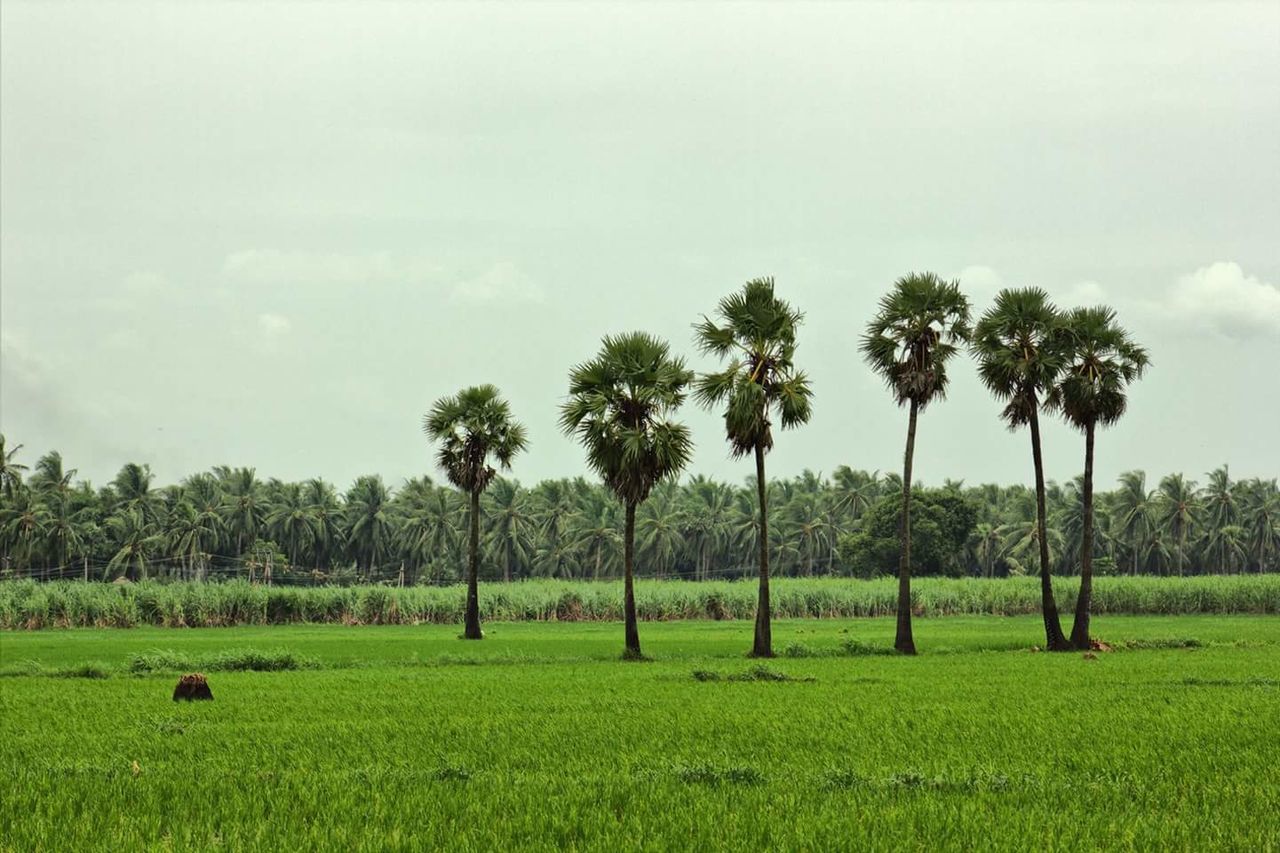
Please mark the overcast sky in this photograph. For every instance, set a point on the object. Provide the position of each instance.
(272, 235)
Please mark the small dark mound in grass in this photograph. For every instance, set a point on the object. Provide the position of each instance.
(450, 774)
(705, 774)
(193, 687)
(758, 672)
(84, 670)
(1146, 645)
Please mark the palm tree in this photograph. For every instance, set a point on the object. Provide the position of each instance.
(708, 511)
(132, 486)
(368, 523)
(919, 328)
(471, 426)
(137, 539)
(757, 331)
(620, 404)
(1180, 511)
(856, 491)
(323, 505)
(592, 532)
(10, 470)
(1020, 350)
(660, 528)
(1262, 521)
(812, 531)
(290, 521)
(511, 525)
(1132, 504)
(1102, 363)
(24, 521)
(243, 510)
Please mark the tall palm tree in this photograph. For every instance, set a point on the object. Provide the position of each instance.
(620, 406)
(1133, 507)
(472, 426)
(1102, 363)
(920, 326)
(1020, 350)
(757, 332)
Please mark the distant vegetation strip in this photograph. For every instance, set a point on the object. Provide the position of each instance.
(31, 605)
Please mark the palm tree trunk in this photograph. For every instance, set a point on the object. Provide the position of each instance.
(904, 642)
(763, 647)
(1080, 628)
(632, 651)
(1053, 636)
(472, 629)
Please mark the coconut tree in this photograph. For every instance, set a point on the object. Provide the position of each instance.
(10, 469)
(660, 527)
(921, 324)
(1020, 350)
(511, 525)
(243, 509)
(1091, 391)
(290, 522)
(620, 407)
(471, 427)
(368, 518)
(1179, 513)
(756, 331)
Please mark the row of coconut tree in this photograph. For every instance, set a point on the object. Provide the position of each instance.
(228, 522)
(622, 406)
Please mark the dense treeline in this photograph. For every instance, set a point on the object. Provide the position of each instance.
(229, 522)
(29, 605)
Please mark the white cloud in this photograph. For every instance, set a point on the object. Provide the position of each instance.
(1223, 298)
(274, 325)
(502, 282)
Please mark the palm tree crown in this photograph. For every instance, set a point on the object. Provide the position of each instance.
(758, 331)
(471, 425)
(1021, 349)
(1103, 361)
(619, 405)
(918, 329)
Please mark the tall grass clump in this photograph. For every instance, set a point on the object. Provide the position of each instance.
(26, 604)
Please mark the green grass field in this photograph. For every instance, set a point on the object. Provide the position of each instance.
(402, 737)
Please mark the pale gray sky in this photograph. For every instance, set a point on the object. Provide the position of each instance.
(272, 234)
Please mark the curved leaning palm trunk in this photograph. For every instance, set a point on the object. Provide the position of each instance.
(903, 641)
(1054, 639)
